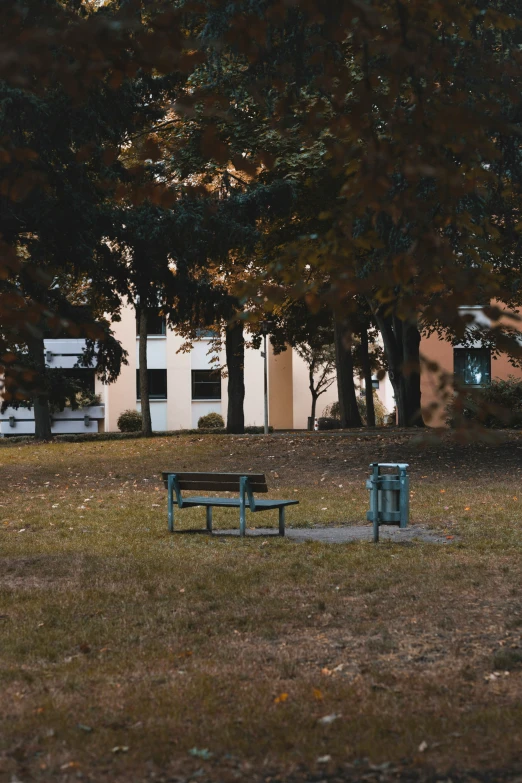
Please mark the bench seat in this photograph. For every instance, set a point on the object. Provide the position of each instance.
(246, 484)
(261, 505)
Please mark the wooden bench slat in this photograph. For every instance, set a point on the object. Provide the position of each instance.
(259, 477)
(234, 502)
(210, 486)
(217, 482)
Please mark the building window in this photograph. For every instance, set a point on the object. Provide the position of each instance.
(157, 384)
(156, 323)
(472, 365)
(206, 385)
(206, 334)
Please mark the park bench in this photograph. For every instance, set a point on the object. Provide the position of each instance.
(246, 484)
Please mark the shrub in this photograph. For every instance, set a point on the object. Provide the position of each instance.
(86, 399)
(381, 413)
(328, 423)
(332, 411)
(129, 421)
(391, 418)
(211, 421)
(497, 405)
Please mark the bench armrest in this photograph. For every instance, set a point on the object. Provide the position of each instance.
(246, 490)
(173, 486)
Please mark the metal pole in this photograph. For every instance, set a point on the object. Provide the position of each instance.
(266, 385)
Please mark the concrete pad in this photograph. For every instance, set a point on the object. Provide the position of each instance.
(343, 535)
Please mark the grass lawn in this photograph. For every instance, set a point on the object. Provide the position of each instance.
(124, 648)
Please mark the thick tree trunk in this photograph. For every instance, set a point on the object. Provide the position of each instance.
(367, 373)
(401, 342)
(411, 371)
(349, 412)
(235, 350)
(146, 422)
(42, 415)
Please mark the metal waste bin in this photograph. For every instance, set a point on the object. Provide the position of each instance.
(389, 496)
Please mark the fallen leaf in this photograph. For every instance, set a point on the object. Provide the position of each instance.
(281, 698)
(201, 753)
(327, 719)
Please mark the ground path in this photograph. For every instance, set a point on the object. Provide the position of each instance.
(345, 534)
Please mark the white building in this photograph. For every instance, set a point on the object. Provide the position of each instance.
(184, 385)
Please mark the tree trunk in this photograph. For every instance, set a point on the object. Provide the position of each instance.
(42, 415)
(146, 422)
(235, 350)
(315, 397)
(411, 371)
(311, 386)
(349, 412)
(367, 373)
(401, 345)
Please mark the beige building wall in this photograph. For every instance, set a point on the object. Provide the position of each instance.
(121, 395)
(302, 395)
(179, 386)
(254, 388)
(289, 395)
(280, 391)
(178, 411)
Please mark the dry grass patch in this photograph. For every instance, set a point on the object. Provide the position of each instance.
(123, 648)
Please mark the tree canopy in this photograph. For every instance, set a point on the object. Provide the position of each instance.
(362, 150)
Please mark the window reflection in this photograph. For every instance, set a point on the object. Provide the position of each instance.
(473, 366)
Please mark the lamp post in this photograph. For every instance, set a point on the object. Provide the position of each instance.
(265, 327)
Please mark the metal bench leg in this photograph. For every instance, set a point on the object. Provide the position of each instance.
(242, 505)
(209, 519)
(171, 503)
(281, 520)
(242, 520)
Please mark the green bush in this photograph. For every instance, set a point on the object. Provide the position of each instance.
(498, 405)
(381, 414)
(129, 421)
(328, 423)
(86, 399)
(332, 411)
(210, 421)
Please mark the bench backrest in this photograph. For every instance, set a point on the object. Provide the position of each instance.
(217, 482)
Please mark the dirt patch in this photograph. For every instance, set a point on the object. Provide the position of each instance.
(40, 572)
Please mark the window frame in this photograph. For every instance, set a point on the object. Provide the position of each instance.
(462, 350)
(152, 397)
(216, 383)
(153, 313)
